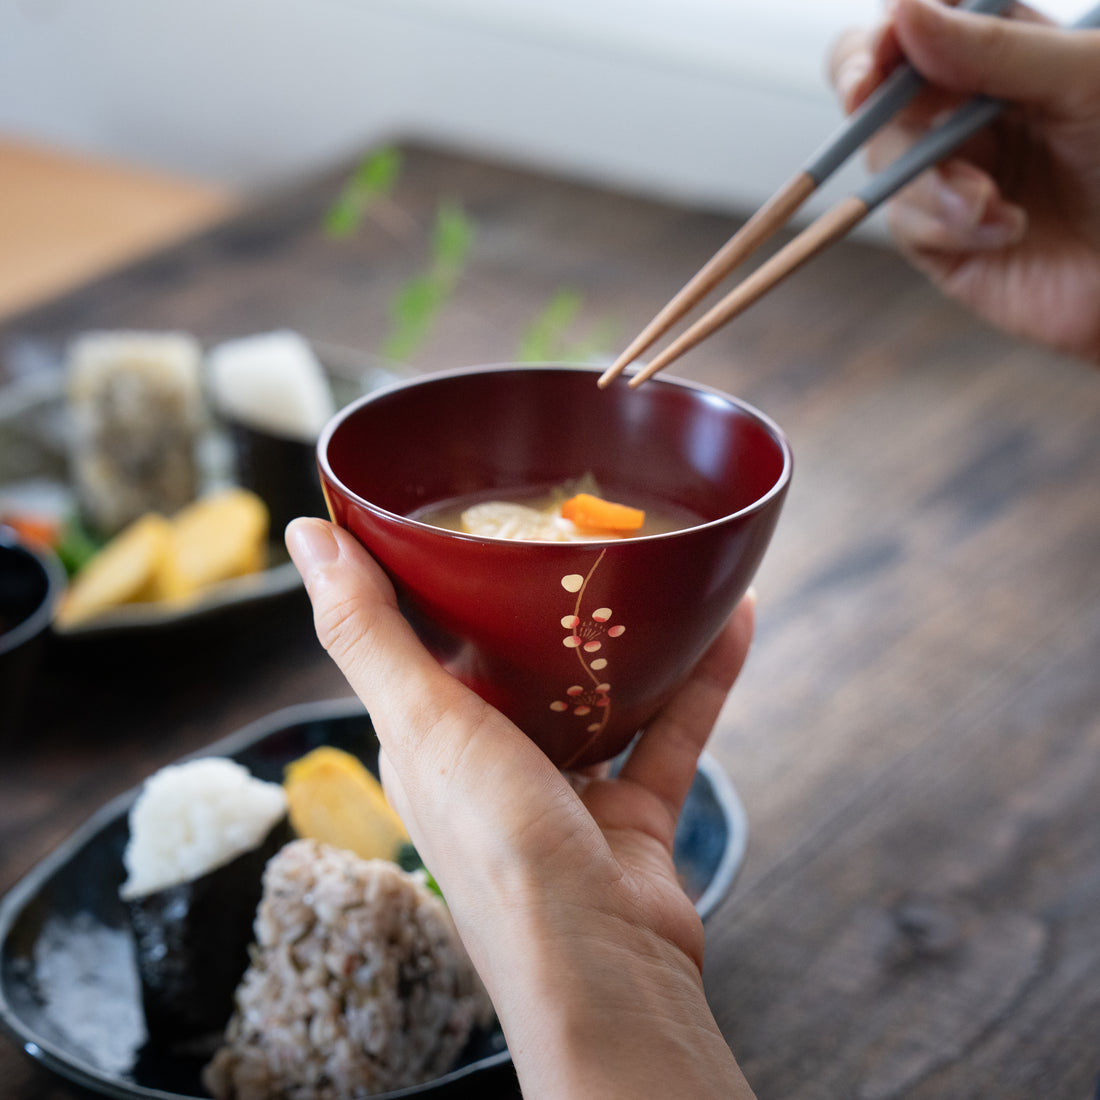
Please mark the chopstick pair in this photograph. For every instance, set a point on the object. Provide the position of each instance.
(889, 98)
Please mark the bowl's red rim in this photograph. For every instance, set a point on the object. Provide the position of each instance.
(778, 435)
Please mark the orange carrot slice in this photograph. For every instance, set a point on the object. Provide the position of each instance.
(595, 514)
(39, 530)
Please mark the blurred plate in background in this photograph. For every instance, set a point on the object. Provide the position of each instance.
(34, 472)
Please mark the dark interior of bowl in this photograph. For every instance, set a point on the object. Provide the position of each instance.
(281, 471)
(29, 586)
(24, 590)
(516, 428)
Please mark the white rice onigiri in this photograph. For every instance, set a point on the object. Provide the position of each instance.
(193, 817)
(358, 984)
(272, 382)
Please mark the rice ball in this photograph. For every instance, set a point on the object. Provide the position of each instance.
(359, 984)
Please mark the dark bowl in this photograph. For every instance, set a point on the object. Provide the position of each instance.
(280, 470)
(31, 580)
(578, 643)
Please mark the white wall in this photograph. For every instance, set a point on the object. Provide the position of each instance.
(710, 101)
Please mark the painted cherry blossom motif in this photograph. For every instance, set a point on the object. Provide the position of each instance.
(587, 634)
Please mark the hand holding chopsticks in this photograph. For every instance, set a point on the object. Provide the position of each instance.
(889, 98)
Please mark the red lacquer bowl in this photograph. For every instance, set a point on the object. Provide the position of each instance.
(578, 643)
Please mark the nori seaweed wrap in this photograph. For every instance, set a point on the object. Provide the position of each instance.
(201, 835)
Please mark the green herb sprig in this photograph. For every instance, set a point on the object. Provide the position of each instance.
(418, 303)
(374, 178)
(546, 339)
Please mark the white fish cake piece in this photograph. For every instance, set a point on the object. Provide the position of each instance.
(506, 520)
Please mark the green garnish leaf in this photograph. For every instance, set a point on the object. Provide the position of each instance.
(412, 313)
(373, 178)
(452, 239)
(543, 336)
(76, 546)
(408, 859)
(417, 304)
(546, 338)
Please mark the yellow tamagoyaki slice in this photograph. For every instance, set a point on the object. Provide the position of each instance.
(332, 797)
(216, 538)
(128, 569)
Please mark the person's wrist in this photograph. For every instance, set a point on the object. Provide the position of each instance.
(595, 1005)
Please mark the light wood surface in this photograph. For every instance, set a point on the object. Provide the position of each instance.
(67, 218)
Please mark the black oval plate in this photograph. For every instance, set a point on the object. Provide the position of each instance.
(33, 431)
(68, 983)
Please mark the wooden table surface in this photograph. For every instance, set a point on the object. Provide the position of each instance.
(67, 218)
(916, 737)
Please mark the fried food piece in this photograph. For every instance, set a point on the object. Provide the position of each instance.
(127, 570)
(216, 538)
(333, 798)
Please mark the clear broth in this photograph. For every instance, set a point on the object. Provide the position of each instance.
(660, 516)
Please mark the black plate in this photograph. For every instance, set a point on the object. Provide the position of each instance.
(68, 984)
(33, 449)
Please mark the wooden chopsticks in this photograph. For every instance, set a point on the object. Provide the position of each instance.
(893, 94)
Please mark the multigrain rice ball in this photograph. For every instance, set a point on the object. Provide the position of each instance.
(136, 414)
(358, 984)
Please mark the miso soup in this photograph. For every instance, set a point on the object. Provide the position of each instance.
(536, 514)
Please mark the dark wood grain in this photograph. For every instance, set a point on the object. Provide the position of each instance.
(917, 733)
